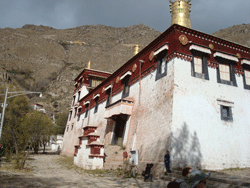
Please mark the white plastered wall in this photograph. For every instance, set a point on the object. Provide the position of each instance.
(199, 134)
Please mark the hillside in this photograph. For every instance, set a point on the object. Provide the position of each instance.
(237, 33)
(41, 58)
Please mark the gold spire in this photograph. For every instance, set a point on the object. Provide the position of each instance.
(89, 63)
(137, 48)
(180, 10)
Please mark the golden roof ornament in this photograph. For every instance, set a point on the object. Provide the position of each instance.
(137, 48)
(89, 64)
(180, 10)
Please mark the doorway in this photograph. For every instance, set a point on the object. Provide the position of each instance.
(119, 129)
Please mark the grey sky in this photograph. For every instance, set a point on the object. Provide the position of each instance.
(207, 15)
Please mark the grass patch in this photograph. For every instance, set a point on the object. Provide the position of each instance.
(68, 162)
(9, 165)
(233, 169)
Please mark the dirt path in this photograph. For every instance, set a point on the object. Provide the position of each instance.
(47, 172)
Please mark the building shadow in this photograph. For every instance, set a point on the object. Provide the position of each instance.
(185, 148)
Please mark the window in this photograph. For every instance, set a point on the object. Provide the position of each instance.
(70, 114)
(78, 117)
(86, 113)
(161, 67)
(67, 129)
(79, 94)
(199, 66)
(94, 82)
(125, 92)
(72, 126)
(73, 101)
(247, 77)
(96, 105)
(224, 72)
(108, 97)
(226, 113)
(75, 112)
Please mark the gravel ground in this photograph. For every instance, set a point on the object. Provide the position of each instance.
(48, 171)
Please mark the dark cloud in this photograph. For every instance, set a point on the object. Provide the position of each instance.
(207, 16)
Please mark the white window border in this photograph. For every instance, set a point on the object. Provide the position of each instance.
(164, 47)
(200, 49)
(226, 56)
(128, 73)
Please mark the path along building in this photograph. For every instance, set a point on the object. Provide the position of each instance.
(187, 92)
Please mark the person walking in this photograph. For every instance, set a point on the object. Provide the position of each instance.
(167, 162)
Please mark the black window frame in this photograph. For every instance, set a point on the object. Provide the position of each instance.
(86, 112)
(161, 58)
(96, 105)
(245, 67)
(204, 75)
(70, 115)
(74, 98)
(229, 116)
(79, 94)
(75, 112)
(108, 97)
(125, 82)
(78, 117)
(232, 81)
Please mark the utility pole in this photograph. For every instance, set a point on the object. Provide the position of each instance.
(16, 93)
(4, 104)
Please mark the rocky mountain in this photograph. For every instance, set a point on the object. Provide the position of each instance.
(41, 58)
(237, 33)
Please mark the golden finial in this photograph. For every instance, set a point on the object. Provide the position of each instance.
(180, 10)
(137, 48)
(89, 63)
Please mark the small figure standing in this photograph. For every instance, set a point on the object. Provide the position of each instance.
(167, 162)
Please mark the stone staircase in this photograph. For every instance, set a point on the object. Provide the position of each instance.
(114, 156)
(217, 179)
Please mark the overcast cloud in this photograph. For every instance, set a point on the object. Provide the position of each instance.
(207, 15)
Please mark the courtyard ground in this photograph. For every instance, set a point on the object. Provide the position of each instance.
(51, 170)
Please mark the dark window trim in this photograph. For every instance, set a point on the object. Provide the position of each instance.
(230, 115)
(75, 112)
(96, 105)
(204, 74)
(125, 84)
(70, 115)
(108, 97)
(74, 98)
(245, 67)
(86, 112)
(160, 74)
(79, 94)
(232, 81)
(78, 117)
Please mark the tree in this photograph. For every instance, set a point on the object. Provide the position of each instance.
(61, 121)
(24, 128)
(14, 137)
(40, 128)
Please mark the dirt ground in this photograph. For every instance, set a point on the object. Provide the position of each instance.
(48, 170)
